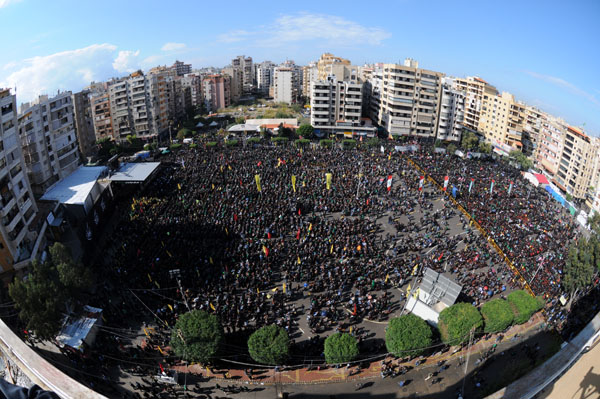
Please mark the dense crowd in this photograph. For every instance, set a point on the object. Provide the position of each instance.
(258, 236)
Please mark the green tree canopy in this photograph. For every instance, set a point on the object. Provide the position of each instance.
(451, 148)
(469, 140)
(594, 222)
(497, 315)
(485, 148)
(269, 345)
(305, 131)
(41, 299)
(582, 260)
(340, 348)
(373, 142)
(522, 159)
(407, 335)
(183, 133)
(197, 336)
(455, 323)
(523, 305)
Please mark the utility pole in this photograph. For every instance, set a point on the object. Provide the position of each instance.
(468, 357)
(183, 295)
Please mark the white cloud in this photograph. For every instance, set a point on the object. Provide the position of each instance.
(4, 3)
(173, 46)
(66, 70)
(570, 87)
(126, 61)
(328, 29)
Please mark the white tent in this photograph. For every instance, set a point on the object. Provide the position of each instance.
(213, 124)
(199, 124)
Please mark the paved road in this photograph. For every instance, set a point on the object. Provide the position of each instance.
(582, 381)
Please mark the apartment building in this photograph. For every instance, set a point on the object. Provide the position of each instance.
(452, 112)
(217, 92)
(325, 66)
(236, 79)
(193, 81)
(309, 75)
(181, 68)
(494, 118)
(372, 76)
(286, 85)
(264, 76)
(337, 107)
(550, 145)
(102, 118)
(576, 168)
(473, 87)
(49, 140)
(84, 123)
(410, 100)
(245, 65)
(19, 239)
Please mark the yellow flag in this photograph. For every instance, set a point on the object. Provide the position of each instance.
(179, 186)
(310, 227)
(213, 186)
(258, 291)
(387, 277)
(408, 290)
(390, 156)
(331, 250)
(156, 283)
(299, 260)
(168, 253)
(274, 289)
(226, 231)
(416, 294)
(328, 177)
(303, 184)
(414, 270)
(149, 278)
(257, 178)
(210, 260)
(283, 288)
(146, 332)
(160, 350)
(350, 330)
(229, 166)
(212, 307)
(221, 168)
(294, 182)
(170, 307)
(133, 206)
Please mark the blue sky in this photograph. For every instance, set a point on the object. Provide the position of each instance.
(544, 52)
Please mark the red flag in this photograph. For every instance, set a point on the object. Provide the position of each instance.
(298, 235)
(389, 182)
(241, 183)
(446, 182)
(268, 235)
(161, 368)
(235, 217)
(299, 212)
(367, 198)
(440, 258)
(259, 163)
(354, 313)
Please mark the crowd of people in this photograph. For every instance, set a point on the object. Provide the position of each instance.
(261, 235)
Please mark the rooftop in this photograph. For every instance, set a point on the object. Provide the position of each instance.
(134, 172)
(75, 188)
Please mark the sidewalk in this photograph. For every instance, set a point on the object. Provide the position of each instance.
(268, 376)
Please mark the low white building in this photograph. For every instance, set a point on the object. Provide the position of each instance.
(435, 293)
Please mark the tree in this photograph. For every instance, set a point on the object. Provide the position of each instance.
(40, 300)
(240, 120)
(340, 348)
(407, 335)
(594, 222)
(451, 149)
(469, 140)
(269, 345)
(197, 336)
(373, 142)
(485, 148)
(579, 268)
(497, 315)
(73, 275)
(523, 305)
(183, 133)
(455, 323)
(305, 131)
(522, 159)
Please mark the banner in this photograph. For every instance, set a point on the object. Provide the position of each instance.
(510, 188)
(492, 187)
(446, 182)
(421, 181)
(389, 182)
(257, 178)
(454, 191)
(294, 182)
(328, 177)
(471, 185)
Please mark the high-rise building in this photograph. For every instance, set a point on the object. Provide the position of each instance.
(452, 112)
(494, 118)
(216, 89)
(17, 234)
(182, 68)
(84, 123)
(49, 140)
(309, 75)
(245, 65)
(372, 76)
(100, 103)
(193, 81)
(236, 76)
(286, 84)
(550, 145)
(264, 76)
(336, 107)
(410, 100)
(473, 87)
(325, 66)
(576, 167)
